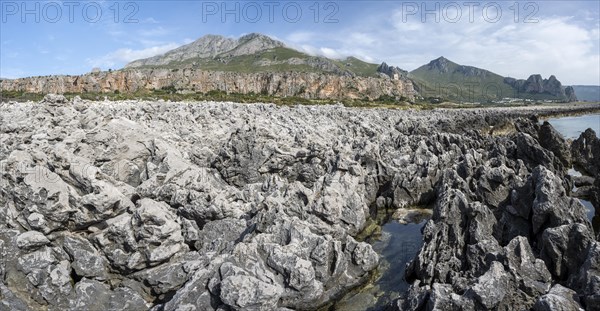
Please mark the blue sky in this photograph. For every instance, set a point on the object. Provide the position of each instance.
(545, 37)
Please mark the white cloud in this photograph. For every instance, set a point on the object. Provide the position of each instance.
(328, 52)
(150, 20)
(559, 46)
(154, 32)
(300, 37)
(121, 57)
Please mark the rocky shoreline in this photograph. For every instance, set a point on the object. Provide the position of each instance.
(218, 206)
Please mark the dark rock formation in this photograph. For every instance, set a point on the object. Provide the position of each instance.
(440, 64)
(535, 84)
(586, 153)
(217, 206)
(392, 71)
(586, 157)
(570, 94)
(500, 238)
(553, 141)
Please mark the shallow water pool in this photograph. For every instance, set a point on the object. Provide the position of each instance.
(397, 246)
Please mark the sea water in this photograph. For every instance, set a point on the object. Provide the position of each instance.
(571, 128)
(399, 243)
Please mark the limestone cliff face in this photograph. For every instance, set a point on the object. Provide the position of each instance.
(535, 84)
(307, 85)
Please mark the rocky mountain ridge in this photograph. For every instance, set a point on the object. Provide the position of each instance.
(210, 46)
(535, 84)
(256, 63)
(251, 53)
(444, 78)
(392, 71)
(305, 85)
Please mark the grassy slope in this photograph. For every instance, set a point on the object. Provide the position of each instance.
(359, 67)
(252, 63)
(454, 85)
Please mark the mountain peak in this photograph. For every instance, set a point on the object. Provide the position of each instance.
(441, 64)
(254, 35)
(441, 59)
(210, 46)
(252, 43)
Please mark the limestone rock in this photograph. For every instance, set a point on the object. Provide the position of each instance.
(32, 240)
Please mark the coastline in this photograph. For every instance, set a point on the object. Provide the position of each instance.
(202, 204)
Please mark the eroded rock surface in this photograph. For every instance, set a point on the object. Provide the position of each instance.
(217, 206)
(505, 235)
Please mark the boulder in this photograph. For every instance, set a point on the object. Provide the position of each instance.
(86, 259)
(552, 140)
(586, 152)
(559, 298)
(32, 240)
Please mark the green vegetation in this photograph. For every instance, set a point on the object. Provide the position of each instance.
(171, 94)
(465, 84)
(19, 96)
(358, 67)
(455, 85)
(280, 59)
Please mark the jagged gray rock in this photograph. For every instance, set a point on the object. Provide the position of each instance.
(391, 71)
(86, 260)
(32, 240)
(553, 141)
(462, 253)
(216, 206)
(536, 85)
(559, 298)
(586, 152)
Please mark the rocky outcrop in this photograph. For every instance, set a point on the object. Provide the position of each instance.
(586, 158)
(499, 237)
(443, 65)
(216, 206)
(586, 153)
(392, 71)
(552, 140)
(491, 257)
(570, 94)
(306, 85)
(440, 64)
(446, 79)
(210, 46)
(473, 72)
(536, 85)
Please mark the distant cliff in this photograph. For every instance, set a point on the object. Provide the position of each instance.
(306, 85)
(536, 85)
(444, 78)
